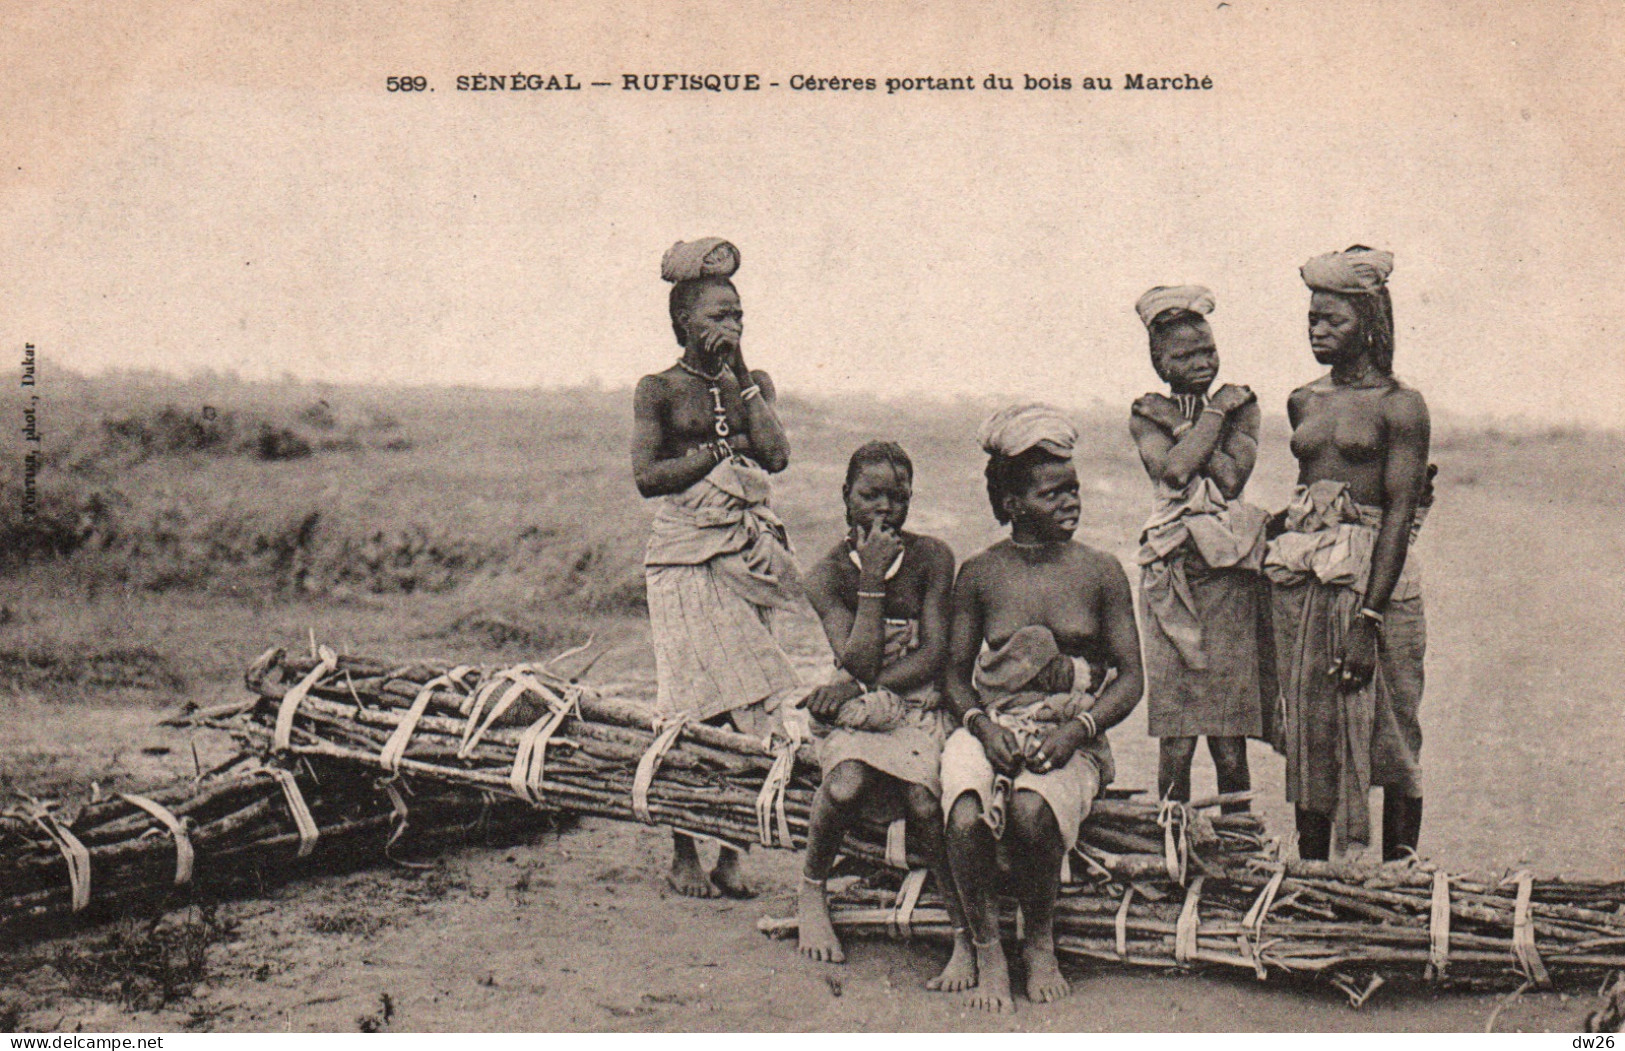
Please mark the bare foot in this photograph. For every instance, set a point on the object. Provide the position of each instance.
(992, 991)
(818, 940)
(1045, 985)
(960, 974)
(727, 878)
(688, 879)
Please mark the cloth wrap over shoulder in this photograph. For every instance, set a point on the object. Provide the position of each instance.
(1225, 534)
(1028, 686)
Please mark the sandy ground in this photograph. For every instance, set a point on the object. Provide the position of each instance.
(577, 932)
(1524, 757)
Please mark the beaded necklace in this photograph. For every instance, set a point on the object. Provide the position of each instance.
(719, 413)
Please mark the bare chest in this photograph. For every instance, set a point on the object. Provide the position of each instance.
(1343, 427)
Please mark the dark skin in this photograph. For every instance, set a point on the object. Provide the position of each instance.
(672, 411)
(877, 504)
(672, 422)
(1222, 445)
(1038, 576)
(1360, 426)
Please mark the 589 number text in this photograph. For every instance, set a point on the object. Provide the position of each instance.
(406, 84)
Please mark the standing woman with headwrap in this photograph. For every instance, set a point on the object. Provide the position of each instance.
(1201, 552)
(706, 436)
(1346, 590)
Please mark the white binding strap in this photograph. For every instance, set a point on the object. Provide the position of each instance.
(770, 806)
(402, 821)
(1174, 818)
(1523, 934)
(1251, 938)
(901, 920)
(520, 680)
(666, 732)
(530, 754)
(1439, 927)
(1121, 922)
(476, 707)
(73, 852)
(397, 803)
(771, 799)
(309, 833)
(897, 844)
(389, 757)
(1189, 921)
(184, 855)
(296, 696)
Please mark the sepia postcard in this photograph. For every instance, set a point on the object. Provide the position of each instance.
(812, 516)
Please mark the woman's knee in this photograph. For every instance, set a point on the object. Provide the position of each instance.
(1032, 819)
(921, 803)
(845, 785)
(1229, 754)
(1178, 749)
(965, 814)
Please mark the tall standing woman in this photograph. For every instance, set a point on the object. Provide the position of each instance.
(1346, 591)
(706, 437)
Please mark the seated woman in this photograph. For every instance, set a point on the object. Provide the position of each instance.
(1201, 553)
(1060, 667)
(882, 595)
(1346, 592)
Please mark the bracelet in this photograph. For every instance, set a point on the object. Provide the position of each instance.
(970, 714)
(752, 391)
(1370, 614)
(871, 594)
(1183, 429)
(1217, 412)
(1088, 721)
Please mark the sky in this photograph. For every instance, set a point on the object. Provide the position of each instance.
(228, 186)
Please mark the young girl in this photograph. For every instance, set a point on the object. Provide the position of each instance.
(882, 595)
(1201, 551)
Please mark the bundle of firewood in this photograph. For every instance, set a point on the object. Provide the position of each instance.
(342, 755)
(238, 830)
(531, 733)
(1355, 926)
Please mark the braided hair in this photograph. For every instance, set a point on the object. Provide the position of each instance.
(877, 452)
(1375, 312)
